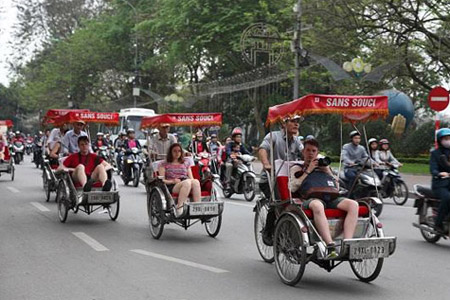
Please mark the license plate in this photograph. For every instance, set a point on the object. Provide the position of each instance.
(369, 249)
(100, 198)
(204, 209)
(4, 167)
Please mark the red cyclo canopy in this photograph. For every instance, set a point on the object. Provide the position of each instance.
(187, 119)
(53, 114)
(7, 123)
(108, 118)
(353, 108)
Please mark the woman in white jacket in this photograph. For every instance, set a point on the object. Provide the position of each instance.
(385, 156)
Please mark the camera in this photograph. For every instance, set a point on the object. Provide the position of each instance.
(324, 161)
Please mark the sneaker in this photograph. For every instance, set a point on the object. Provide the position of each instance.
(439, 229)
(178, 211)
(88, 186)
(107, 186)
(331, 251)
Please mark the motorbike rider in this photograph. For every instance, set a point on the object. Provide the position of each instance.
(159, 143)
(119, 146)
(37, 145)
(130, 143)
(70, 139)
(17, 138)
(440, 171)
(236, 141)
(99, 142)
(289, 128)
(352, 155)
(214, 144)
(87, 167)
(198, 145)
(385, 156)
(373, 153)
(310, 170)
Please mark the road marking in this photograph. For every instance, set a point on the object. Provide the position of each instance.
(180, 261)
(239, 204)
(90, 241)
(40, 206)
(12, 189)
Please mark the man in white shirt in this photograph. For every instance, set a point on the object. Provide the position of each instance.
(70, 140)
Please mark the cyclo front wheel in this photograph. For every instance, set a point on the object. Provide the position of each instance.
(156, 214)
(213, 225)
(62, 200)
(113, 210)
(46, 186)
(368, 270)
(264, 250)
(289, 250)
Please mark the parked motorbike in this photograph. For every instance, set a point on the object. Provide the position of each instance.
(365, 185)
(427, 205)
(18, 148)
(393, 186)
(132, 166)
(243, 179)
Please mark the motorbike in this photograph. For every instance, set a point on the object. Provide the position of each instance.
(29, 147)
(393, 186)
(243, 179)
(427, 205)
(18, 148)
(132, 164)
(367, 184)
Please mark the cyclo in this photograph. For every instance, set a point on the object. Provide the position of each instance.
(296, 240)
(69, 195)
(49, 178)
(7, 166)
(161, 203)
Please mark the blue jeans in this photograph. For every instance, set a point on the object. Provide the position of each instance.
(444, 207)
(350, 175)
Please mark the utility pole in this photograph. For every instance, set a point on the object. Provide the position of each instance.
(136, 55)
(297, 45)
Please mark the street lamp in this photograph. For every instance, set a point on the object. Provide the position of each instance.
(136, 70)
(357, 66)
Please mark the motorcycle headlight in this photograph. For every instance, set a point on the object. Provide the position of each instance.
(129, 161)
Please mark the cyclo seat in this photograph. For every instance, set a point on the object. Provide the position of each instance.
(283, 191)
(425, 191)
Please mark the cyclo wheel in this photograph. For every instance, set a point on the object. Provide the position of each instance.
(265, 251)
(113, 210)
(368, 270)
(62, 201)
(46, 186)
(156, 214)
(401, 193)
(13, 170)
(289, 251)
(213, 225)
(249, 189)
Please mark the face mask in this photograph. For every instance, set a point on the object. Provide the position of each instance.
(446, 143)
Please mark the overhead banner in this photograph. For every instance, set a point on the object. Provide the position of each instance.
(53, 114)
(108, 118)
(187, 119)
(7, 123)
(353, 108)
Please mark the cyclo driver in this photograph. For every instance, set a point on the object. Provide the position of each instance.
(289, 128)
(315, 182)
(87, 167)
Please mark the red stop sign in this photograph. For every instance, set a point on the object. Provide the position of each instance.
(438, 98)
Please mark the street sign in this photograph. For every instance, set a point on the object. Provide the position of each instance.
(438, 98)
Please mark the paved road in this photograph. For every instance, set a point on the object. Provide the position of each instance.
(91, 257)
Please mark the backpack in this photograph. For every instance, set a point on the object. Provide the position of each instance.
(320, 185)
